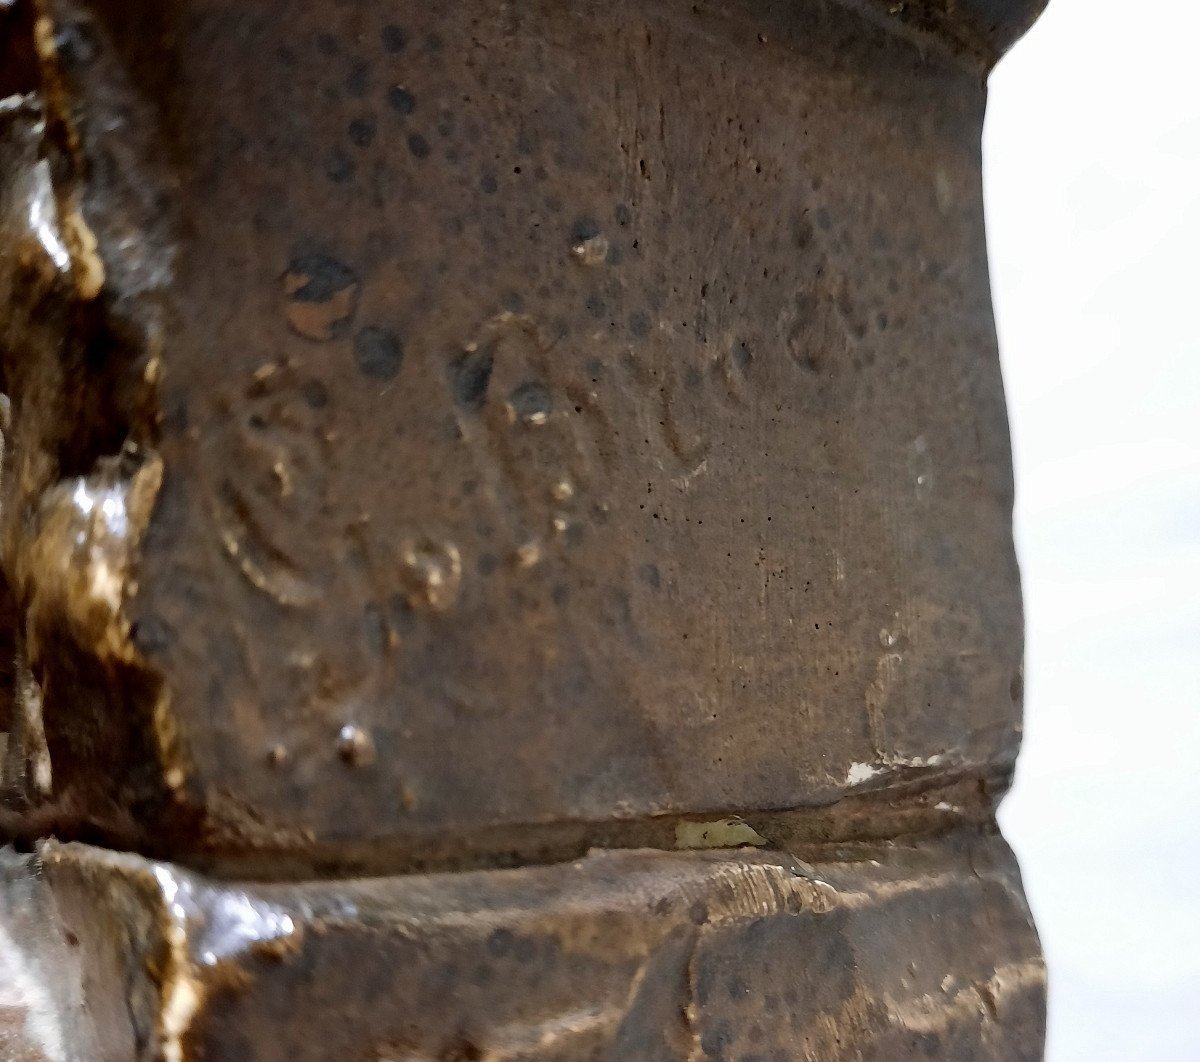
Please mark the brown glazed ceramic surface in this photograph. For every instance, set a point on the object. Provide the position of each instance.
(910, 953)
(542, 418)
(455, 436)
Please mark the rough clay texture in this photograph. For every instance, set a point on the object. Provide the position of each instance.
(879, 954)
(447, 437)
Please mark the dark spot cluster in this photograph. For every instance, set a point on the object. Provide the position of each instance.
(357, 84)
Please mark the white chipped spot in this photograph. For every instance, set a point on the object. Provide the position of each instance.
(862, 772)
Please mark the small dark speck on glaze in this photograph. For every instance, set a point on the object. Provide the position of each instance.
(500, 943)
(622, 214)
(175, 419)
(77, 44)
(639, 324)
(716, 1040)
(651, 576)
(512, 302)
(376, 628)
(488, 183)
(742, 356)
(323, 277)
(358, 80)
(401, 100)
(378, 352)
(394, 38)
(584, 228)
(561, 594)
(531, 401)
(150, 634)
(524, 950)
(418, 145)
(340, 167)
(596, 306)
(470, 374)
(487, 564)
(362, 132)
(315, 394)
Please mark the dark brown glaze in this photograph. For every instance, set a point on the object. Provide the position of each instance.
(561, 419)
(892, 952)
(443, 438)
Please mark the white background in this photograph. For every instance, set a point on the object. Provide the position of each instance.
(1092, 165)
